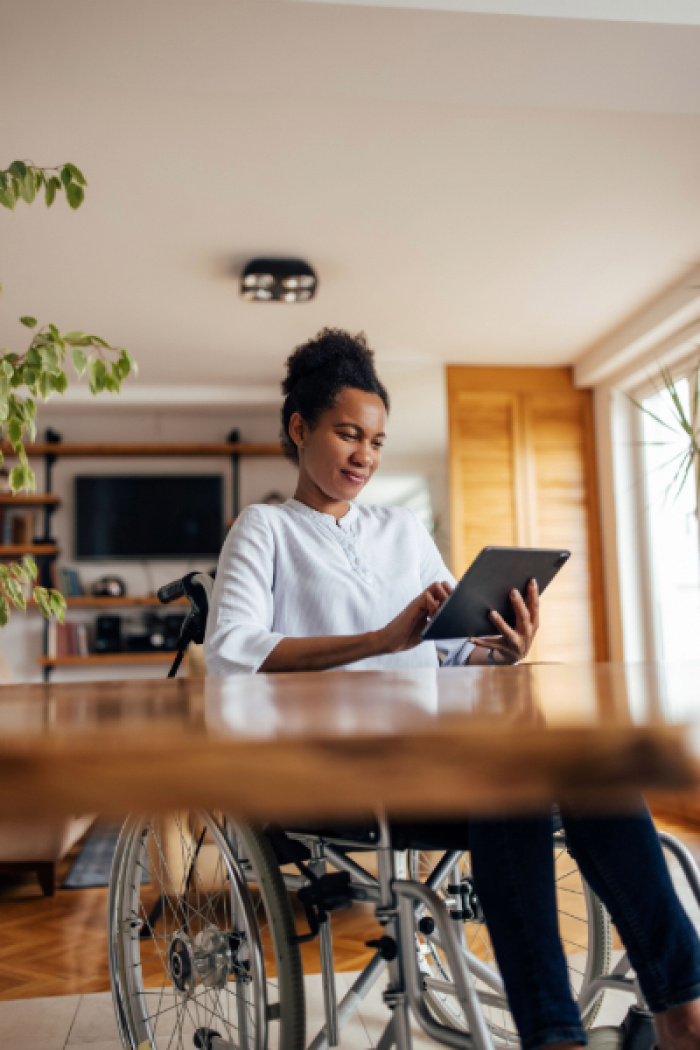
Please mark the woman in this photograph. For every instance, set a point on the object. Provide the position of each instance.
(320, 583)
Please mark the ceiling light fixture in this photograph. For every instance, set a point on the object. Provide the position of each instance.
(278, 280)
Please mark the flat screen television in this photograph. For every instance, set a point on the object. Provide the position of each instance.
(148, 516)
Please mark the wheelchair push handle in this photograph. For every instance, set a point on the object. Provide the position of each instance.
(196, 587)
(171, 592)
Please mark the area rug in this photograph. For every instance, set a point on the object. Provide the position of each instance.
(93, 864)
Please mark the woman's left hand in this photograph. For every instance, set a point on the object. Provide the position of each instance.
(513, 643)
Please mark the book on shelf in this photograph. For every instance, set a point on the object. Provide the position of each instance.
(17, 527)
(68, 582)
(81, 639)
(66, 639)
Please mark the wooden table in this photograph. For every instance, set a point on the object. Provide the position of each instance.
(340, 744)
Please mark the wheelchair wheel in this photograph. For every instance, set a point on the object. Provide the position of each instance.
(202, 938)
(584, 925)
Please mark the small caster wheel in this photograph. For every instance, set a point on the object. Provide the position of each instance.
(203, 1037)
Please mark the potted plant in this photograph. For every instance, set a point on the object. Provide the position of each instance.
(38, 372)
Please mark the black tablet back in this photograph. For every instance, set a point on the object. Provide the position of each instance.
(487, 584)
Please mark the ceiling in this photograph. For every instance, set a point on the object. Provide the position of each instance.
(471, 187)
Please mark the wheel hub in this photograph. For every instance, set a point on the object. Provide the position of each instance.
(207, 959)
(181, 962)
(213, 957)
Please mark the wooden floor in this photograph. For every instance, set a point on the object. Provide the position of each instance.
(57, 946)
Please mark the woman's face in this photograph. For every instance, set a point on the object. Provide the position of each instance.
(342, 452)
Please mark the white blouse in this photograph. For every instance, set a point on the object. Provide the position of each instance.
(291, 571)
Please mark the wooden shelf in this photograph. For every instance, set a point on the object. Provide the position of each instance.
(151, 449)
(31, 500)
(91, 601)
(14, 550)
(106, 658)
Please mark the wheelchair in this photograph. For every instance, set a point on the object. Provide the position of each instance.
(207, 915)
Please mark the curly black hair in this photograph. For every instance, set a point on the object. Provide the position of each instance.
(317, 372)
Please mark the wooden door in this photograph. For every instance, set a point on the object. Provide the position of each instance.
(522, 472)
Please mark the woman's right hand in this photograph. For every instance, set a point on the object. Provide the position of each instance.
(404, 631)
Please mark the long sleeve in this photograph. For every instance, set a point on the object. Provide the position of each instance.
(239, 633)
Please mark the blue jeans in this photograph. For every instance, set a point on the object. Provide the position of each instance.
(622, 860)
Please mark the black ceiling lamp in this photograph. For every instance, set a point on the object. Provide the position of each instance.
(278, 280)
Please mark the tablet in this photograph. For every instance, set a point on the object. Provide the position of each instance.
(487, 584)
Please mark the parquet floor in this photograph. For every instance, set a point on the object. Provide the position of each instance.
(57, 946)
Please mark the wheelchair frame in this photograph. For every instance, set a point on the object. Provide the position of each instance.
(400, 904)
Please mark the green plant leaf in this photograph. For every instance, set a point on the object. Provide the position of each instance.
(66, 175)
(58, 604)
(30, 566)
(14, 593)
(50, 192)
(46, 380)
(49, 357)
(75, 337)
(43, 599)
(30, 322)
(17, 478)
(14, 432)
(27, 187)
(18, 169)
(8, 199)
(79, 360)
(17, 570)
(77, 174)
(75, 194)
(60, 385)
(96, 375)
(4, 612)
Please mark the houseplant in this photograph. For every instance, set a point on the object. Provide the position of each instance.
(38, 372)
(681, 425)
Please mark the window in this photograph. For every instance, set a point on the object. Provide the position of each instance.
(671, 548)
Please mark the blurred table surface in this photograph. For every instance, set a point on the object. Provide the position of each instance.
(454, 741)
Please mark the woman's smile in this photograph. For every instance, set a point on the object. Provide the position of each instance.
(354, 476)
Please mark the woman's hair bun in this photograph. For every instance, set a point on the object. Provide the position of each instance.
(317, 372)
(332, 350)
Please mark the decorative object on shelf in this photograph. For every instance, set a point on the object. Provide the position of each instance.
(155, 633)
(22, 528)
(278, 280)
(38, 373)
(108, 634)
(68, 582)
(108, 587)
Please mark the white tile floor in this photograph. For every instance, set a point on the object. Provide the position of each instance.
(88, 1020)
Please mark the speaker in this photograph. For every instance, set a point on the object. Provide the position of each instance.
(108, 634)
